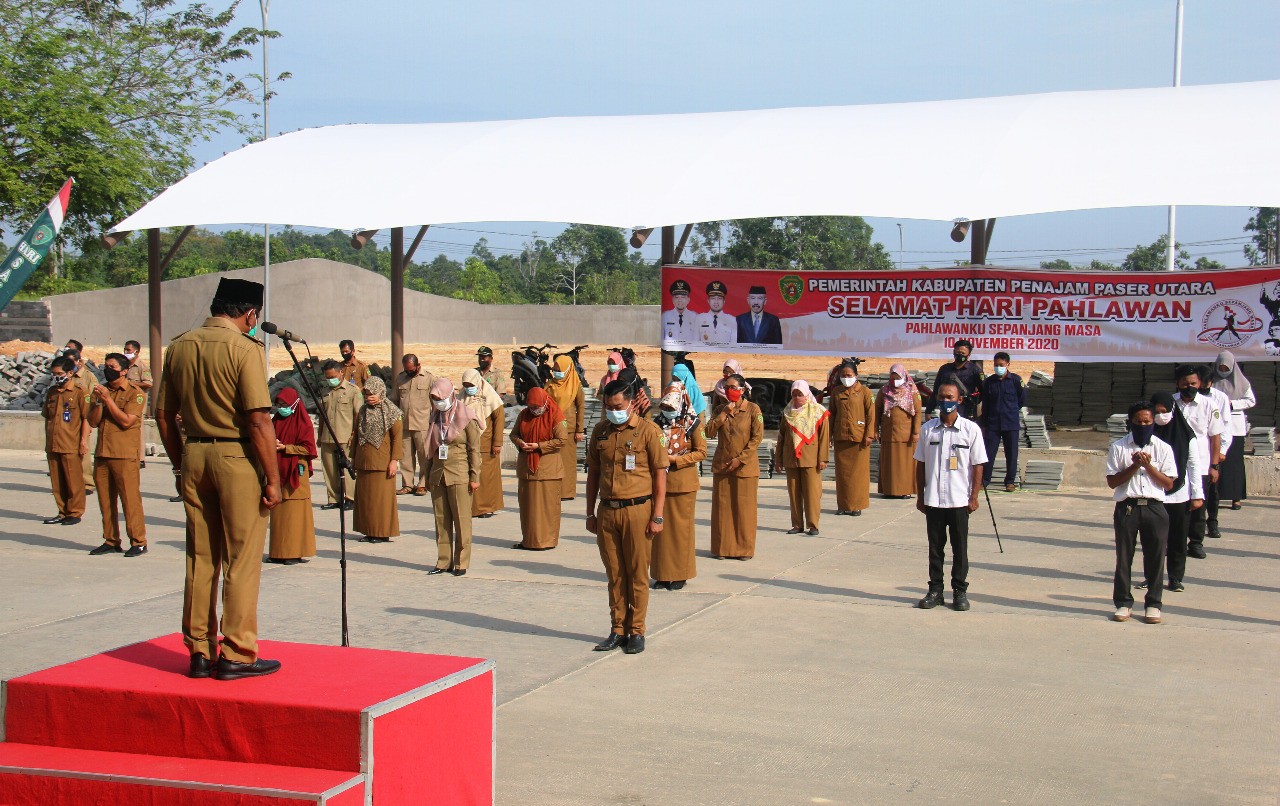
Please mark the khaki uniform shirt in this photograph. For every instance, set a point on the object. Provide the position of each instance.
(549, 466)
(138, 373)
(495, 378)
(463, 463)
(357, 372)
(413, 396)
(85, 378)
(65, 408)
(811, 455)
(115, 442)
(737, 437)
(608, 451)
(367, 457)
(853, 413)
(213, 376)
(342, 405)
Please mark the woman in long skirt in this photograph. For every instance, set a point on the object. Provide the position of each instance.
(376, 456)
(672, 561)
(293, 529)
(853, 427)
(490, 415)
(539, 433)
(739, 427)
(1228, 379)
(900, 412)
(565, 388)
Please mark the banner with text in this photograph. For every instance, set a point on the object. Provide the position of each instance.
(1036, 315)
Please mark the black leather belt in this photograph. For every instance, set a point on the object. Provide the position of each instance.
(620, 503)
(216, 440)
(1142, 502)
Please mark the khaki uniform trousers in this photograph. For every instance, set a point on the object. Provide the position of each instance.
(452, 505)
(624, 550)
(804, 490)
(329, 461)
(86, 467)
(120, 486)
(226, 533)
(67, 481)
(413, 465)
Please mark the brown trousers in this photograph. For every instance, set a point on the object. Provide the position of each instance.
(67, 480)
(226, 533)
(624, 550)
(120, 485)
(329, 461)
(86, 467)
(452, 505)
(804, 490)
(413, 462)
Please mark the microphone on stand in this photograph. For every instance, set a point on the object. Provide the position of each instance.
(280, 333)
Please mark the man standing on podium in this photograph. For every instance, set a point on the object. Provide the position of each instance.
(227, 476)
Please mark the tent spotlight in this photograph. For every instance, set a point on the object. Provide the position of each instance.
(362, 237)
(639, 235)
(960, 230)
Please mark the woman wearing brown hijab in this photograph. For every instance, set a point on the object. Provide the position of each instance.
(565, 389)
(293, 529)
(486, 406)
(804, 445)
(539, 434)
(672, 561)
(739, 427)
(900, 411)
(453, 476)
(376, 456)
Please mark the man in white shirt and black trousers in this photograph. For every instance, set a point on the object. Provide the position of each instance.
(1140, 470)
(949, 457)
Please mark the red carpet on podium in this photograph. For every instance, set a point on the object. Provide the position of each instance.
(336, 726)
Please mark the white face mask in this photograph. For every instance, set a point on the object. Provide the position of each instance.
(614, 368)
(849, 381)
(1164, 419)
(443, 405)
(130, 356)
(899, 381)
(539, 411)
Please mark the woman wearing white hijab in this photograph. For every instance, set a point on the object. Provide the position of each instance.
(1228, 379)
(486, 406)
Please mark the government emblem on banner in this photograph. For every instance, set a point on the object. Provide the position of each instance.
(792, 288)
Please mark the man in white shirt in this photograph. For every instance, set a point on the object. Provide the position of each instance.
(1199, 411)
(717, 325)
(679, 324)
(949, 457)
(1222, 413)
(1140, 470)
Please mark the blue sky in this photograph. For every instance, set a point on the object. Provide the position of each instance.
(384, 62)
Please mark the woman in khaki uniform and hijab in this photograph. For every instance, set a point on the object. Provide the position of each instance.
(739, 427)
(293, 528)
(565, 389)
(900, 412)
(539, 433)
(804, 444)
(376, 456)
(489, 413)
(672, 561)
(453, 476)
(853, 427)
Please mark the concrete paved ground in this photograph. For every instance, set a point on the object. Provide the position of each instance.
(802, 676)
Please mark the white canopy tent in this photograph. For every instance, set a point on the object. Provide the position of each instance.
(977, 159)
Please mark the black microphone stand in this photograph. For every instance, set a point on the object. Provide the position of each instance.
(344, 467)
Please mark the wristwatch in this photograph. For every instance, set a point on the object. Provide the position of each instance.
(1215, 467)
(658, 520)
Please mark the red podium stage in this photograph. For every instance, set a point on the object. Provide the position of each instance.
(334, 726)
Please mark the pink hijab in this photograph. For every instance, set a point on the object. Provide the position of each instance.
(732, 364)
(446, 425)
(609, 377)
(904, 397)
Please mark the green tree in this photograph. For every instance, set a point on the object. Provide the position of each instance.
(1153, 257)
(1266, 230)
(479, 283)
(805, 243)
(115, 94)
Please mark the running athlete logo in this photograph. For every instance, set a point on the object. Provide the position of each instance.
(1228, 323)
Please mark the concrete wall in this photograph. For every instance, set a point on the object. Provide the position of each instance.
(326, 301)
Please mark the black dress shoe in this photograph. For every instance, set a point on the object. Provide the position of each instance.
(350, 505)
(329, 506)
(813, 532)
(844, 511)
(176, 499)
(68, 521)
(795, 531)
(1215, 534)
(435, 571)
(856, 513)
(232, 670)
(55, 520)
(931, 600)
(1235, 506)
(1177, 587)
(105, 548)
(1196, 552)
(960, 601)
(659, 585)
(635, 645)
(88, 493)
(459, 572)
(675, 586)
(275, 560)
(135, 551)
(292, 561)
(612, 642)
(200, 667)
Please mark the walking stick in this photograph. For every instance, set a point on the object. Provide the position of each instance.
(993, 518)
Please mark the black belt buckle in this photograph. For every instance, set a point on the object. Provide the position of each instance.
(1142, 502)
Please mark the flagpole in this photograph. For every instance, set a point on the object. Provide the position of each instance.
(265, 5)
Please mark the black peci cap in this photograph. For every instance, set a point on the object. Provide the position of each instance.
(757, 289)
(239, 292)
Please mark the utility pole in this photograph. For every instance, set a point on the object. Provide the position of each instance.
(899, 247)
(265, 5)
(1171, 260)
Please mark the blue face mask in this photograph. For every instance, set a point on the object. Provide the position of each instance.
(334, 382)
(947, 406)
(284, 411)
(1000, 371)
(559, 376)
(471, 390)
(617, 417)
(253, 332)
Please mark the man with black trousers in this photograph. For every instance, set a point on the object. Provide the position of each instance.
(963, 372)
(1003, 397)
(1141, 470)
(1204, 419)
(949, 457)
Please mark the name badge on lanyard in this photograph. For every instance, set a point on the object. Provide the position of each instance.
(630, 462)
(443, 452)
(953, 463)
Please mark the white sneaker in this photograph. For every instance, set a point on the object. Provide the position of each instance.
(1122, 614)
(1152, 615)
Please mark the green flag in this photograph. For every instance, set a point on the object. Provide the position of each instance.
(23, 259)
